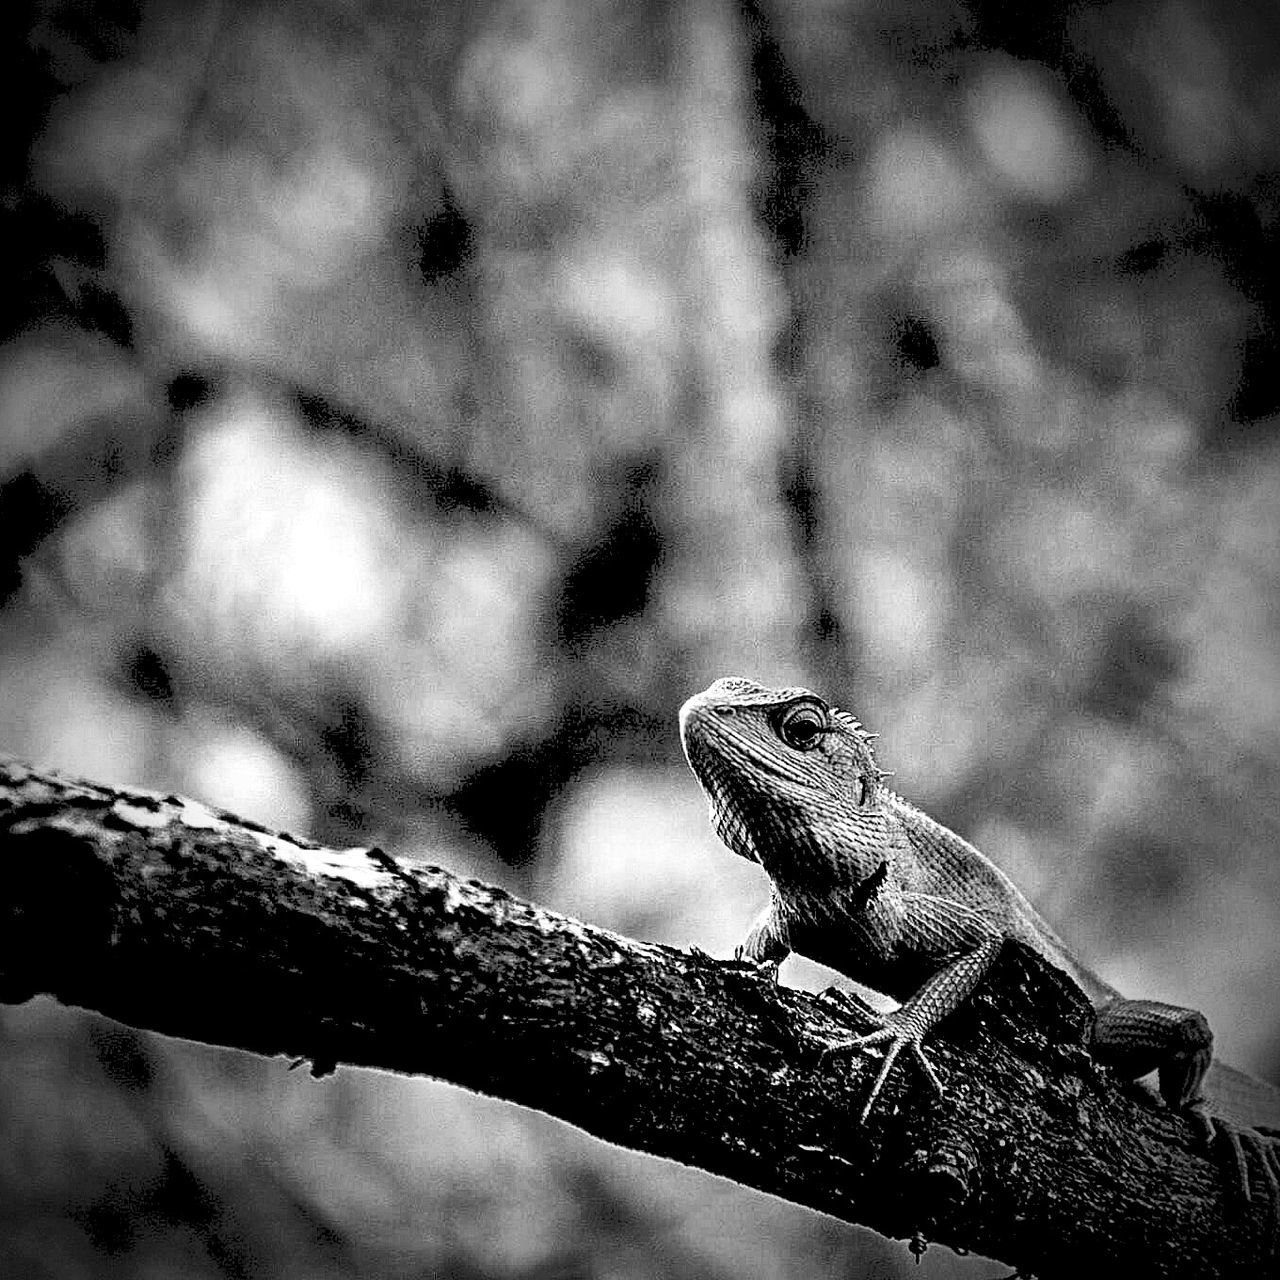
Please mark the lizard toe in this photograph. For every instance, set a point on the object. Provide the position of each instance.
(1272, 1153)
(896, 1044)
(1233, 1147)
(926, 1067)
(1260, 1147)
(857, 1044)
(1228, 1137)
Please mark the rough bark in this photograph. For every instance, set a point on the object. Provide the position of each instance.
(170, 916)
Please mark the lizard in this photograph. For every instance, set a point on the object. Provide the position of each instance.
(867, 884)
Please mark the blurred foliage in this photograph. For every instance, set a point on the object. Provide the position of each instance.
(404, 407)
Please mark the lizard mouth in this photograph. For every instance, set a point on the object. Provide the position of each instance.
(711, 739)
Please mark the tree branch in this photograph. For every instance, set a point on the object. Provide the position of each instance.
(170, 916)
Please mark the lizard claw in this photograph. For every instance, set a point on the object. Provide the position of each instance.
(895, 1035)
(1197, 1113)
(766, 970)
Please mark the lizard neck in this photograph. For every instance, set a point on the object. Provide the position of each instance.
(946, 865)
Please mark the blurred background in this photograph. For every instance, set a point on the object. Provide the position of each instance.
(404, 407)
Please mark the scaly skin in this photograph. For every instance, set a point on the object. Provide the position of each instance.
(867, 884)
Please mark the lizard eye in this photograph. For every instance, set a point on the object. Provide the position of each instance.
(802, 727)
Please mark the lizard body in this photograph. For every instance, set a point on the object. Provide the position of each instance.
(869, 885)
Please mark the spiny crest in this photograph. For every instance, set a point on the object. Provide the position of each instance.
(854, 726)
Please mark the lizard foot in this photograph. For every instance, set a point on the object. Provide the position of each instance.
(766, 970)
(1240, 1144)
(1214, 1131)
(896, 1034)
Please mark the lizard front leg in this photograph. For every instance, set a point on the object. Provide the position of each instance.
(973, 945)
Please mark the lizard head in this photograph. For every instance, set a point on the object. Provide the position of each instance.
(792, 781)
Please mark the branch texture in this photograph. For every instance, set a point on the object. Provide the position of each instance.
(173, 917)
